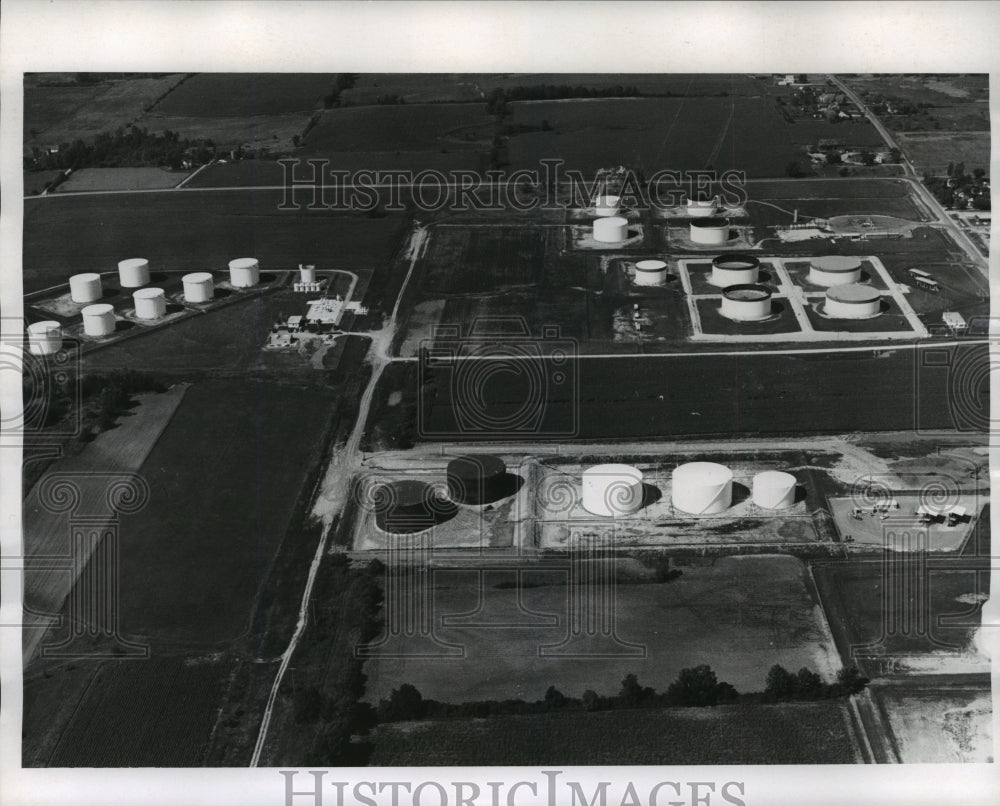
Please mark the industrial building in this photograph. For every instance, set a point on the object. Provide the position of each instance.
(150, 303)
(85, 288)
(44, 338)
(612, 490)
(730, 270)
(133, 272)
(834, 270)
(709, 231)
(773, 489)
(746, 303)
(610, 230)
(702, 488)
(99, 319)
(198, 286)
(477, 479)
(650, 272)
(244, 272)
(852, 302)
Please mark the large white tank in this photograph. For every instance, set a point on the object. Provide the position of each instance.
(834, 270)
(85, 287)
(650, 272)
(709, 231)
(133, 272)
(44, 338)
(773, 489)
(606, 206)
(199, 286)
(612, 490)
(852, 302)
(611, 230)
(746, 302)
(702, 488)
(98, 320)
(244, 272)
(308, 274)
(730, 270)
(702, 208)
(150, 303)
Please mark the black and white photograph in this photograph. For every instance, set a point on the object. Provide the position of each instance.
(378, 421)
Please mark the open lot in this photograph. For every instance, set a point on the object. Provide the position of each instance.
(740, 615)
(933, 151)
(215, 95)
(747, 733)
(931, 727)
(122, 179)
(274, 133)
(954, 102)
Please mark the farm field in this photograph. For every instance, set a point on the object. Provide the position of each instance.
(60, 114)
(933, 151)
(921, 718)
(956, 102)
(191, 232)
(274, 133)
(745, 733)
(741, 616)
(752, 395)
(217, 95)
(121, 179)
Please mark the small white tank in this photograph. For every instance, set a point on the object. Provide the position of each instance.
(198, 286)
(133, 272)
(308, 274)
(150, 303)
(610, 230)
(86, 287)
(612, 490)
(834, 270)
(853, 301)
(44, 338)
(244, 272)
(730, 270)
(606, 206)
(650, 272)
(98, 320)
(702, 488)
(746, 302)
(773, 489)
(709, 231)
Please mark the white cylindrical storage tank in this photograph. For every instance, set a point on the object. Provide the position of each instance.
(610, 230)
(746, 303)
(834, 270)
(852, 302)
(98, 320)
(702, 488)
(702, 208)
(773, 489)
(650, 272)
(85, 287)
(44, 338)
(198, 286)
(612, 490)
(308, 274)
(134, 272)
(150, 303)
(606, 206)
(730, 270)
(244, 272)
(710, 231)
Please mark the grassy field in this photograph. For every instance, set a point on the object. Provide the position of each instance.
(215, 95)
(55, 115)
(64, 235)
(956, 102)
(122, 179)
(932, 151)
(35, 181)
(272, 132)
(793, 733)
(740, 615)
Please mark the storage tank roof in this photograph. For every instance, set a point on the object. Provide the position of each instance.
(99, 309)
(650, 265)
(87, 275)
(708, 472)
(853, 293)
(747, 292)
(735, 262)
(132, 262)
(613, 221)
(835, 263)
(707, 223)
(626, 471)
(243, 263)
(43, 327)
(198, 277)
(775, 477)
(147, 293)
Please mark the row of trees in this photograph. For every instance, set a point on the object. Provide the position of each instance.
(783, 686)
(342, 81)
(107, 397)
(497, 100)
(125, 147)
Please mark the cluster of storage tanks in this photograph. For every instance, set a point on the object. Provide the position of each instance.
(150, 302)
(846, 297)
(697, 488)
(744, 298)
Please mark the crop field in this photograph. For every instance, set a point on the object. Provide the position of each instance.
(56, 115)
(853, 596)
(66, 234)
(272, 132)
(749, 613)
(122, 179)
(243, 173)
(933, 151)
(746, 733)
(193, 562)
(751, 395)
(156, 712)
(245, 94)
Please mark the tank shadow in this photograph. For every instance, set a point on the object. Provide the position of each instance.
(650, 494)
(740, 493)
